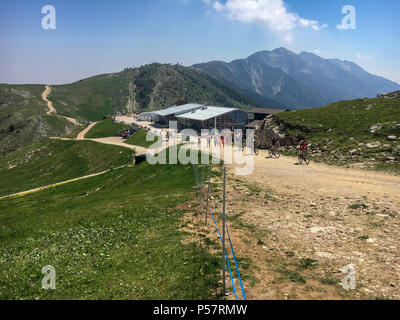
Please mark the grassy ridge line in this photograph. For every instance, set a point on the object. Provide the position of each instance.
(115, 236)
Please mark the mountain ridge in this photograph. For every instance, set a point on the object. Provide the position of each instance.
(309, 80)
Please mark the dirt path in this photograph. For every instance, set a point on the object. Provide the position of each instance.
(24, 193)
(114, 141)
(81, 135)
(52, 110)
(301, 225)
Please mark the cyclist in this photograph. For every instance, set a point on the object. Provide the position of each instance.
(303, 146)
(275, 143)
(255, 145)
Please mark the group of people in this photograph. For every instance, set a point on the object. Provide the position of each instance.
(275, 143)
(216, 140)
(223, 141)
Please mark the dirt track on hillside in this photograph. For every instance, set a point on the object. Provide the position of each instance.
(82, 134)
(52, 110)
(284, 214)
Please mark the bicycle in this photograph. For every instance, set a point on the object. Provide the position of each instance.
(274, 151)
(304, 157)
(255, 148)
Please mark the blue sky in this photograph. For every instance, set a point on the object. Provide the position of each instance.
(101, 36)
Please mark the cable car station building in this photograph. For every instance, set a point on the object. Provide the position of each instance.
(198, 117)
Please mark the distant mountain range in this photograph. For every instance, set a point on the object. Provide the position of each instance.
(302, 80)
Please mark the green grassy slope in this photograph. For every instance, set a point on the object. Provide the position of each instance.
(105, 128)
(53, 161)
(115, 236)
(91, 99)
(139, 139)
(23, 118)
(341, 131)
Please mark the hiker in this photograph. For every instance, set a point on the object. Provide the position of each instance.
(215, 141)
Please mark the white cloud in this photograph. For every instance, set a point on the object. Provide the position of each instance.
(271, 13)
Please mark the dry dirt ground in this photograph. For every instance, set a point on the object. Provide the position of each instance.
(295, 227)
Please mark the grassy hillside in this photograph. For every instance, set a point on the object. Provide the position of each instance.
(54, 161)
(91, 99)
(155, 86)
(139, 139)
(115, 236)
(23, 118)
(349, 132)
(105, 128)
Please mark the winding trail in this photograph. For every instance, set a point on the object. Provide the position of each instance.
(53, 185)
(82, 134)
(52, 110)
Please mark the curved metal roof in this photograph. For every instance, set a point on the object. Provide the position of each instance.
(177, 110)
(207, 113)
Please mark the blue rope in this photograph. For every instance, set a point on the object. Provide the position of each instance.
(237, 268)
(227, 259)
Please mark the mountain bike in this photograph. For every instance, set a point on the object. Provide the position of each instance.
(255, 148)
(304, 157)
(274, 151)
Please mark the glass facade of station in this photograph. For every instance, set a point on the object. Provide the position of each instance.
(236, 119)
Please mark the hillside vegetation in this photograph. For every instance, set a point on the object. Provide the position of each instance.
(105, 128)
(365, 132)
(53, 161)
(140, 139)
(152, 87)
(23, 118)
(115, 236)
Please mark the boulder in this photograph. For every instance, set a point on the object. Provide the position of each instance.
(353, 151)
(372, 145)
(375, 128)
(392, 138)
